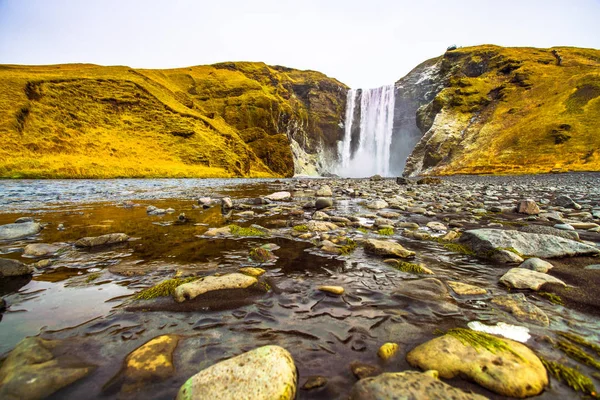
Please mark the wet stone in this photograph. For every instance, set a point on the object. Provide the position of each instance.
(19, 230)
(10, 267)
(111, 238)
(362, 370)
(314, 382)
(524, 311)
(521, 278)
(463, 289)
(189, 291)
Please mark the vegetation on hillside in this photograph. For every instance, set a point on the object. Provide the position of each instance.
(231, 119)
(512, 110)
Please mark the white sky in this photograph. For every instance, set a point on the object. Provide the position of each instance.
(361, 43)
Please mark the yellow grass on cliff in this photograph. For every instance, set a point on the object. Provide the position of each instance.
(89, 121)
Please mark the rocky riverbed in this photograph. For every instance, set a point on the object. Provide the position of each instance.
(307, 288)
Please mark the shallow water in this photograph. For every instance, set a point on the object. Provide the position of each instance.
(324, 333)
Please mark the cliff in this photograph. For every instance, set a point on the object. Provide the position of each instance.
(229, 119)
(495, 110)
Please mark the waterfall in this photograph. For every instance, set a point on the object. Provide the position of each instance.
(367, 153)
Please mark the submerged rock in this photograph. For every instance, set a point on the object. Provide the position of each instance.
(10, 267)
(362, 370)
(500, 365)
(151, 362)
(189, 291)
(111, 238)
(19, 230)
(408, 385)
(321, 226)
(31, 371)
(423, 289)
(387, 248)
(521, 278)
(486, 241)
(524, 311)
(264, 373)
(42, 249)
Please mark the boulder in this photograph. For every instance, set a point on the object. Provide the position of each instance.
(524, 311)
(521, 278)
(111, 238)
(279, 196)
(408, 385)
(31, 370)
(265, 373)
(189, 291)
(512, 370)
(10, 267)
(486, 241)
(536, 264)
(549, 230)
(324, 191)
(378, 204)
(19, 230)
(528, 207)
(323, 202)
(42, 249)
(387, 248)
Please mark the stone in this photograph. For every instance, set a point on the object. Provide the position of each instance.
(191, 290)
(552, 216)
(429, 181)
(264, 373)
(524, 311)
(314, 382)
(151, 362)
(423, 289)
(321, 226)
(223, 231)
(564, 227)
(484, 241)
(403, 181)
(387, 248)
(521, 278)
(332, 289)
(19, 230)
(463, 289)
(279, 196)
(361, 370)
(252, 271)
(528, 207)
(42, 249)
(584, 225)
(436, 226)
(407, 225)
(408, 385)
(10, 267)
(226, 203)
(506, 256)
(536, 264)
(152, 210)
(31, 371)
(515, 373)
(378, 204)
(565, 202)
(24, 219)
(592, 266)
(416, 210)
(323, 202)
(324, 191)
(388, 350)
(320, 216)
(548, 230)
(111, 238)
(2, 304)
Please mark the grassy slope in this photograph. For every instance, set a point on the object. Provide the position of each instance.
(523, 114)
(80, 120)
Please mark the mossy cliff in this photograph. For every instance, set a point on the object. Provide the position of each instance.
(228, 119)
(495, 110)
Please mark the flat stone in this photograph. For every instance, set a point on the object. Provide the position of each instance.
(416, 210)
(10, 267)
(252, 271)
(519, 374)
(332, 289)
(387, 248)
(19, 230)
(521, 278)
(484, 241)
(506, 256)
(279, 196)
(436, 226)
(42, 249)
(521, 309)
(314, 382)
(223, 231)
(189, 291)
(564, 227)
(593, 266)
(463, 289)
(407, 225)
(584, 225)
(111, 238)
(31, 370)
(549, 230)
(536, 264)
(408, 385)
(264, 373)
(321, 226)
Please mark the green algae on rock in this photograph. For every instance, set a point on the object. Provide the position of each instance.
(164, 288)
(237, 230)
(572, 377)
(503, 366)
(264, 373)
